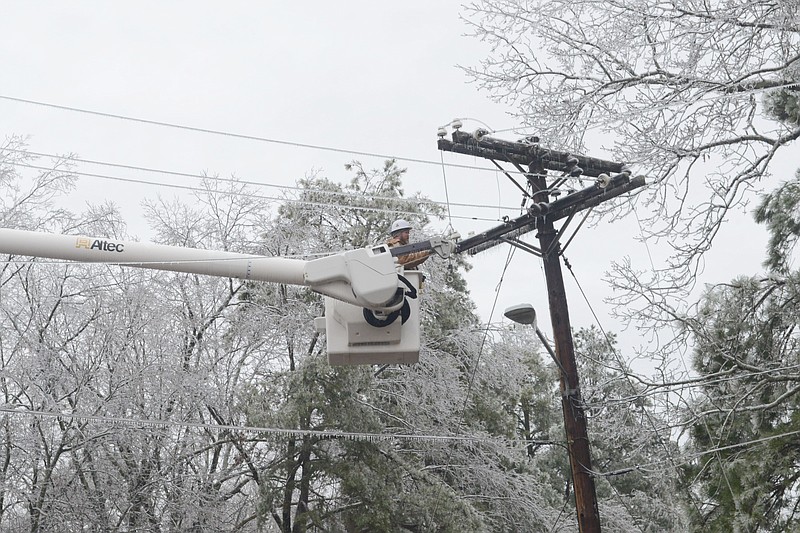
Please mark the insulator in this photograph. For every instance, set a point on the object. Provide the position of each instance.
(456, 124)
(442, 132)
(479, 134)
(539, 209)
(603, 180)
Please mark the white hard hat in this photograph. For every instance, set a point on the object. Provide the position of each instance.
(399, 225)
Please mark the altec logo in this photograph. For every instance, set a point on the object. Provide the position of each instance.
(97, 244)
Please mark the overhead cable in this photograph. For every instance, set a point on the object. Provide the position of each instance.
(238, 135)
(696, 455)
(259, 138)
(256, 183)
(20, 411)
(242, 194)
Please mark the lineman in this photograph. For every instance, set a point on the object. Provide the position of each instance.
(400, 232)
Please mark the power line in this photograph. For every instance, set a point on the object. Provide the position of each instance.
(358, 152)
(476, 365)
(240, 135)
(256, 183)
(661, 440)
(265, 139)
(670, 457)
(242, 194)
(20, 411)
(696, 455)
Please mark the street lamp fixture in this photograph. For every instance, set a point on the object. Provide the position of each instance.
(522, 314)
(526, 314)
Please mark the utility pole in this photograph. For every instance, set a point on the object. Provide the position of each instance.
(571, 401)
(542, 213)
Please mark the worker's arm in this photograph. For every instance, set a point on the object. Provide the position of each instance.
(413, 260)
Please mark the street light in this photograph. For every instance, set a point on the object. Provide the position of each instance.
(526, 314)
(574, 419)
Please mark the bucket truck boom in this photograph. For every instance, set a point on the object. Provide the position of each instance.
(371, 308)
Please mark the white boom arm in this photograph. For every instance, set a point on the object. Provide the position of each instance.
(371, 310)
(365, 277)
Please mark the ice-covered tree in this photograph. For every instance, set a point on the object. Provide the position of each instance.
(677, 87)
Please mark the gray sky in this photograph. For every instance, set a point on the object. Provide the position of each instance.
(364, 76)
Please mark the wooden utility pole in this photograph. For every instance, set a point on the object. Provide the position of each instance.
(571, 402)
(541, 214)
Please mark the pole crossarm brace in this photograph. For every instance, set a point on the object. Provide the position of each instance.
(556, 210)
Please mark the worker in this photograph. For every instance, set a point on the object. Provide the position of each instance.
(400, 232)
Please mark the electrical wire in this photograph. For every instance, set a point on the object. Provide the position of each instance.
(631, 513)
(600, 123)
(251, 138)
(242, 194)
(457, 119)
(561, 513)
(204, 190)
(696, 455)
(423, 201)
(21, 411)
(262, 139)
(614, 351)
(509, 257)
(446, 193)
(480, 353)
(361, 436)
(606, 402)
(641, 233)
(238, 135)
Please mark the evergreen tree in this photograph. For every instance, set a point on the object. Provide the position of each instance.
(745, 419)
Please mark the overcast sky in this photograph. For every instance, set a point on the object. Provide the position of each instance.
(371, 77)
